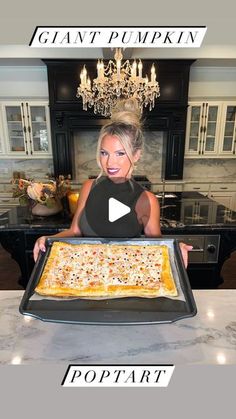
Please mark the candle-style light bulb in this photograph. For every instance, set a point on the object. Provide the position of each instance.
(153, 74)
(118, 65)
(85, 75)
(102, 70)
(98, 69)
(134, 69)
(81, 78)
(140, 67)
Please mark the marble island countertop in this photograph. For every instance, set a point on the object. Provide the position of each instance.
(207, 338)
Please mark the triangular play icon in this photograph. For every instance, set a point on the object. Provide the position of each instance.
(116, 209)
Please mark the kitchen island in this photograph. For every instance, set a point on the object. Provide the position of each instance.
(207, 338)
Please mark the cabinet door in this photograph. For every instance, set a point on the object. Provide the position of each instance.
(203, 129)
(211, 129)
(38, 128)
(228, 140)
(15, 129)
(194, 130)
(196, 212)
(2, 147)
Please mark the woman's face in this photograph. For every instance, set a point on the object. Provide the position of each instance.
(114, 160)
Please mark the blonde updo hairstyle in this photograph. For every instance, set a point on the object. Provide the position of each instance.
(127, 127)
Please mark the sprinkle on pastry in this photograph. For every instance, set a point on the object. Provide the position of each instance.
(107, 270)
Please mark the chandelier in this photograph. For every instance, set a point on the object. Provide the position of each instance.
(117, 81)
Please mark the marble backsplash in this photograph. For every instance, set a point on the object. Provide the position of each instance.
(150, 164)
(202, 169)
(32, 168)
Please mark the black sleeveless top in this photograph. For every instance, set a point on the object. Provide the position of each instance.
(94, 221)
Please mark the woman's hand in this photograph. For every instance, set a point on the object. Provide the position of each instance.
(185, 248)
(39, 245)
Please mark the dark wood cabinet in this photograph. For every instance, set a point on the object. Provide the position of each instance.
(169, 114)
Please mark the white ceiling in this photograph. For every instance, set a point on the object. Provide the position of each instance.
(18, 22)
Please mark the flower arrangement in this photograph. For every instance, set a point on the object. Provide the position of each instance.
(32, 192)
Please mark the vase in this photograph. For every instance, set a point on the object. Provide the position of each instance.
(44, 211)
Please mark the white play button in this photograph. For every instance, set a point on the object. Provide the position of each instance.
(116, 209)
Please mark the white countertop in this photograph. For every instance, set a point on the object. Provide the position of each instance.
(207, 338)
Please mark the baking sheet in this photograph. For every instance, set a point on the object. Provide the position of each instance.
(128, 310)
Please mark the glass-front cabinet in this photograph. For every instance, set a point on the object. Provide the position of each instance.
(228, 143)
(2, 148)
(196, 212)
(203, 127)
(26, 126)
(211, 130)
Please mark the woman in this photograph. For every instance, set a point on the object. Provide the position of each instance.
(119, 147)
